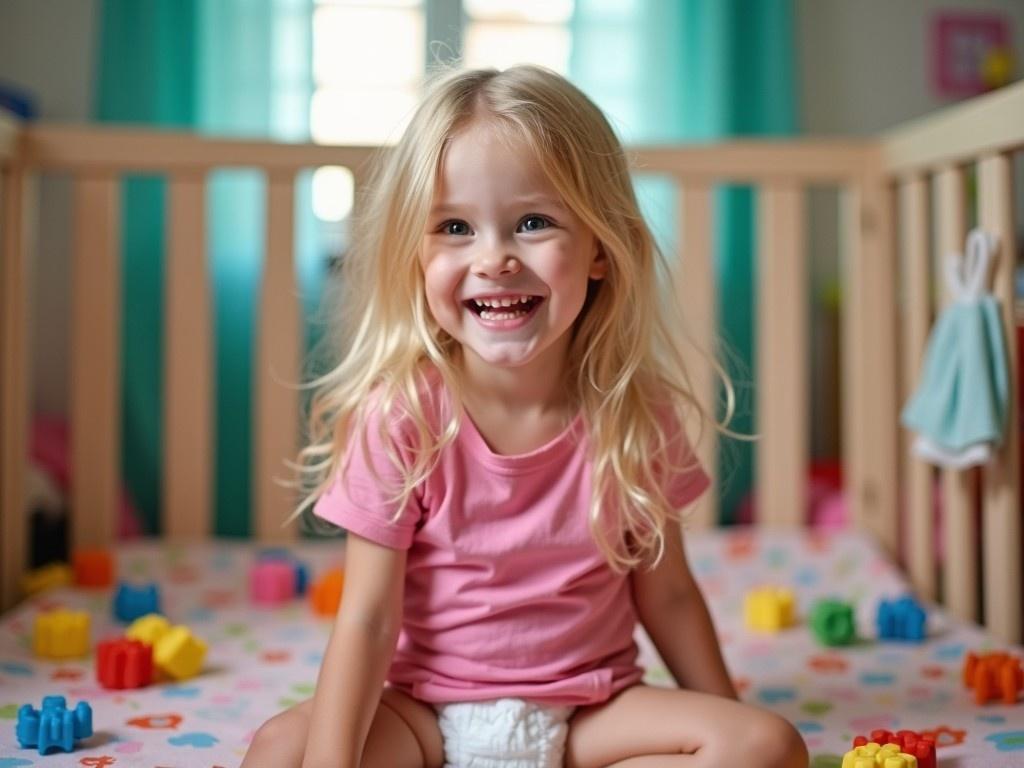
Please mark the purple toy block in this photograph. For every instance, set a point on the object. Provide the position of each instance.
(55, 727)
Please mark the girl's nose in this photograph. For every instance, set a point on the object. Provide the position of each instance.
(496, 263)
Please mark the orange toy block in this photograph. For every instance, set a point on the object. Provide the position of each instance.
(996, 675)
(93, 567)
(325, 594)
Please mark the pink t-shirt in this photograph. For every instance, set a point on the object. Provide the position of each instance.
(506, 593)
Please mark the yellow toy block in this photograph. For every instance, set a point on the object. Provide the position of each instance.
(47, 577)
(61, 634)
(874, 755)
(179, 653)
(769, 609)
(149, 628)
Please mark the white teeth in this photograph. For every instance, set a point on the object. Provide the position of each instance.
(505, 302)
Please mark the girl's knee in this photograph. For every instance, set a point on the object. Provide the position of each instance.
(282, 728)
(772, 742)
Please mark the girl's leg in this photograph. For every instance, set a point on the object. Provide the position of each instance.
(645, 727)
(404, 734)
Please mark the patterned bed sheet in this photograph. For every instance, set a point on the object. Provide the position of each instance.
(261, 660)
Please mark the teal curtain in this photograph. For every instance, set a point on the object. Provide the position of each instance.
(698, 70)
(234, 68)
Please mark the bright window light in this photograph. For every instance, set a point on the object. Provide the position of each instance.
(495, 44)
(537, 11)
(333, 188)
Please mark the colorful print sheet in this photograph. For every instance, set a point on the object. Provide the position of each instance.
(261, 660)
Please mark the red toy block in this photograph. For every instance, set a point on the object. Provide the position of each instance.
(993, 675)
(910, 742)
(93, 568)
(123, 663)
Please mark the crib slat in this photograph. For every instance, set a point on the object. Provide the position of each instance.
(277, 366)
(871, 435)
(960, 573)
(95, 360)
(1001, 522)
(917, 320)
(16, 187)
(697, 294)
(188, 426)
(782, 356)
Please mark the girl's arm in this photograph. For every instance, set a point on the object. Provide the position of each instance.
(358, 655)
(673, 612)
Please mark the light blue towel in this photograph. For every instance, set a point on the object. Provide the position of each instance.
(959, 408)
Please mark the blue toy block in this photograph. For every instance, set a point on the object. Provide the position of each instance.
(901, 619)
(301, 571)
(55, 728)
(131, 602)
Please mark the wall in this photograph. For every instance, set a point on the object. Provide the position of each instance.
(46, 48)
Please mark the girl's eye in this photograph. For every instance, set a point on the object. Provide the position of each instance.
(535, 223)
(454, 228)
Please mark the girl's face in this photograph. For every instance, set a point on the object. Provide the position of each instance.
(499, 233)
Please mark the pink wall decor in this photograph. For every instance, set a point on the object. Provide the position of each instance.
(971, 53)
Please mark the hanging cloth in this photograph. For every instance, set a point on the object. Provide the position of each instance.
(959, 408)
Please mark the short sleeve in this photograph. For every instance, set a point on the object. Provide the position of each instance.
(360, 503)
(681, 486)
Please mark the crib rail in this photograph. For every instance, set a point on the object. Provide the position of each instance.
(883, 184)
(937, 155)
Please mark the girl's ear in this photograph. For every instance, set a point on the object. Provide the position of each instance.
(599, 266)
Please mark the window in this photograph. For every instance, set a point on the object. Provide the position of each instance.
(500, 33)
(369, 59)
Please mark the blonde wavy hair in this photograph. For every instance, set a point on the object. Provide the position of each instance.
(625, 366)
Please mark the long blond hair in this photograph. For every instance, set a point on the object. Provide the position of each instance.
(625, 365)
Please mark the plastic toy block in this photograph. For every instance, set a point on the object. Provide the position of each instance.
(910, 742)
(149, 628)
(48, 577)
(325, 594)
(769, 609)
(874, 755)
(902, 619)
(179, 653)
(131, 602)
(61, 634)
(93, 568)
(832, 622)
(54, 727)
(271, 582)
(283, 555)
(996, 675)
(124, 663)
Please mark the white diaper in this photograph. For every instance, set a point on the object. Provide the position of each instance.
(503, 733)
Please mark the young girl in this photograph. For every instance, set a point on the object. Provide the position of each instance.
(503, 442)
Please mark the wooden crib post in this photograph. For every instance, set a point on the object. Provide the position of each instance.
(960, 536)
(276, 396)
(16, 197)
(697, 295)
(783, 362)
(914, 241)
(869, 359)
(96, 360)
(188, 364)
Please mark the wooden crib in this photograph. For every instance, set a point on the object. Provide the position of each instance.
(885, 184)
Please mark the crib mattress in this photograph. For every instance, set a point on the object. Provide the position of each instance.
(261, 660)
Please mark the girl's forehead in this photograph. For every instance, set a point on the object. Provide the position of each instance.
(488, 151)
